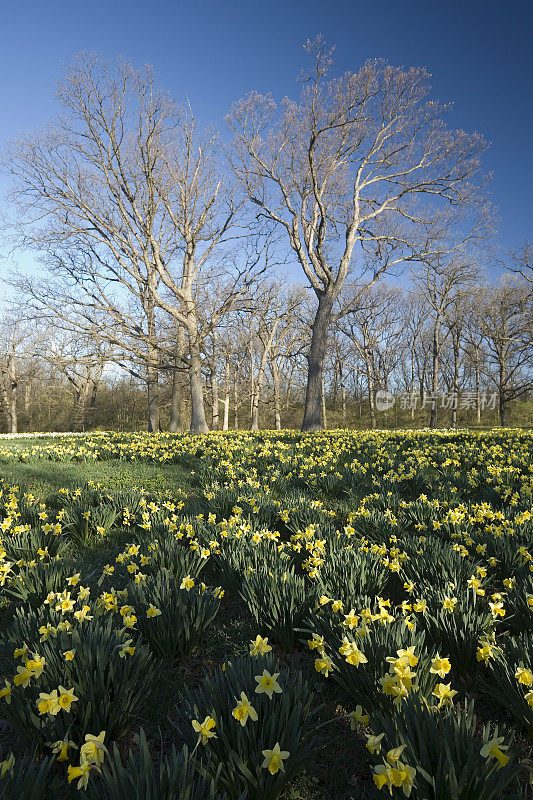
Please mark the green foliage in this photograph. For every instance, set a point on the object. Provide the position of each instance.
(287, 718)
(457, 631)
(84, 523)
(185, 614)
(177, 775)
(446, 753)
(501, 682)
(347, 573)
(23, 779)
(32, 584)
(25, 546)
(279, 602)
(112, 690)
(237, 556)
(168, 553)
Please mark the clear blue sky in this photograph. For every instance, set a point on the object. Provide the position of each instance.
(478, 52)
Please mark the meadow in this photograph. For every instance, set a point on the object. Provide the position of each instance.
(345, 615)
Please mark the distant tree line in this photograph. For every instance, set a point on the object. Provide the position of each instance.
(163, 299)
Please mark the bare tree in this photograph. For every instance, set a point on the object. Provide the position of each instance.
(81, 360)
(521, 262)
(440, 281)
(125, 194)
(346, 167)
(505, 320)
(13, 334)
(373, 329)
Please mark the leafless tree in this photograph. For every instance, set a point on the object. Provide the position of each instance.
(124, 193)
(440, 281)
(347, 167)
(505, 320)
(13, 336)
(374, 330)
(521, 262)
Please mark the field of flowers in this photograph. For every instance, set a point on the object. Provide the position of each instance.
(325, 616)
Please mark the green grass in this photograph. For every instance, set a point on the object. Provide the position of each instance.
(45, 478)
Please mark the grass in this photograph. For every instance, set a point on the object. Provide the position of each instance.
(45, 478)
(343, 767)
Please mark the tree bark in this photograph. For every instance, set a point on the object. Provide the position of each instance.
(152, 373)
(343, 394)
(371, 388)
(198, 420)
(323, 414)
(235, 405)
(225, 423)
(478, 395)
(13, 384)
(315, 360)
(435, 374)
(502, 400)
(277, 399)
(455, 384)
(214, 397)
(176, 405)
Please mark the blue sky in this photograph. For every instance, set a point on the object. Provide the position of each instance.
(478, 52)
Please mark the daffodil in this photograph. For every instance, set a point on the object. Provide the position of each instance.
(267, 684)
(324, 665)
(440, 666)
(259, 646)
(357, 717)
(494, 749)
(373, 743)
(524, 676)
(81, 772)
(274, 759)
(66, 698)
(94, 750)
(444, 694)
(204, 729)
(7, 765)
(61, 748)
(5, 693)
(243, 710)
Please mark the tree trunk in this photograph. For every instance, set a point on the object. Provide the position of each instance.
(502, 405)
(5, 399)
(371, 389)
(277, 399)
(343, 394)
(198, 420)
(225, 423)
(315, 361)
(254, 425)
(176, 404)
(478, 395)
(152, 373)
(153, 399)
(214, 397)
(455, 384)
(412, 387)
(323, 415)
(13, 383)
(80, 399)
(434, 375)
(235, 405)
